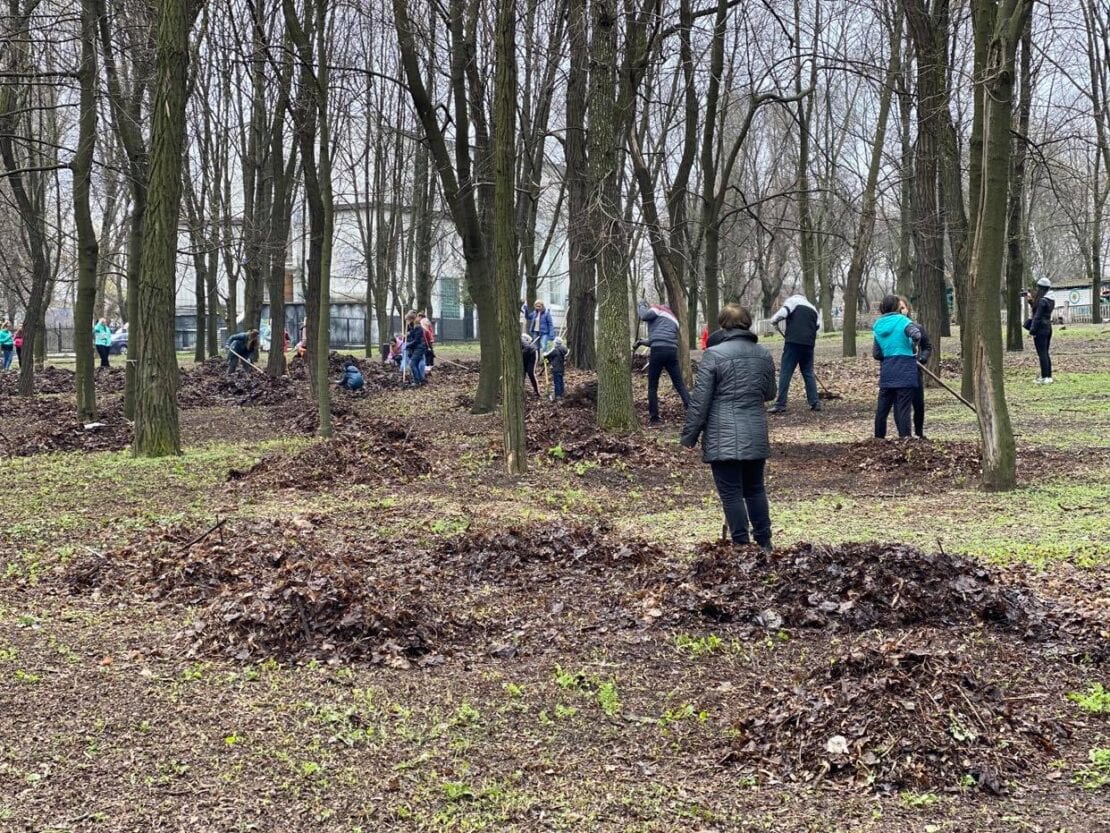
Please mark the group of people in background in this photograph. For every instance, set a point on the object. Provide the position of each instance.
(414, 352)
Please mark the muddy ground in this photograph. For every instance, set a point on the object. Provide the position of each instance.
(382, 632)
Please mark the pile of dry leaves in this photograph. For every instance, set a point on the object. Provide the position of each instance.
(851, 587)
(361, 451)
(209, 383)
(887, 715)
(267, 590)
(39, 426)
(55, 380)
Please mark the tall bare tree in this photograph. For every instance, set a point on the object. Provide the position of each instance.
(157, 432)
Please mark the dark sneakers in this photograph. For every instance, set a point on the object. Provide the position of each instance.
(777, 409)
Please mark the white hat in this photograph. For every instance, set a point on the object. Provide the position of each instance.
(1044, 282)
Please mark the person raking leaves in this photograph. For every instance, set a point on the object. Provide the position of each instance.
(242, 347)
(662, 339)
(896, 338)
(802, 322)
(556, 358)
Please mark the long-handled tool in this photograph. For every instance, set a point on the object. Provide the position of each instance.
(247, 362)
(938, 380)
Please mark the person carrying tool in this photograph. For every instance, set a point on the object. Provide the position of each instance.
(541, 327)
(242, 347)
(556, 358)
(415, 346)
(662, 339)
(895, 339)
(802, 324)
(352, 377)
(924, 351)
(1041, 302)
(528, 356)
(735, 377)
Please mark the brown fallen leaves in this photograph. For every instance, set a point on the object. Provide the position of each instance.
(890, 715)
(899, 699)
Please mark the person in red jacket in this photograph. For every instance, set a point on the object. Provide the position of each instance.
(704, 339)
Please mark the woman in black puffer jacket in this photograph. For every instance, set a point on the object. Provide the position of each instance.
(1039, 326)
(735, 377)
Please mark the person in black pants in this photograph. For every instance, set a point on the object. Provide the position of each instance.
(802, 323)
(528, 354)
(896, 338)
(924, 350)
(662, 339)
(735, 377)
(1039, 325)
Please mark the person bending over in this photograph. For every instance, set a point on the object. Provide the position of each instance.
(242, 347)
(528, 356)
(802, 323)
(735, 378)
(663, 342)
(352, 377)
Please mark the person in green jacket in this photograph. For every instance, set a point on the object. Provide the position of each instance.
(7, 344)
(102, 337)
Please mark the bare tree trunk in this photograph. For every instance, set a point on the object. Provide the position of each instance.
(127, 92)
(928, 28)
(804, 117)
(1000, 27)
(504, 237)
(582, 303)
(1015, 226)
(904, 278)
(458, 185)
(156, 419)
(866, 226)
(87, 246)
(615, 409)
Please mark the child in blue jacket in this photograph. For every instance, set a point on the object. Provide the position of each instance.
(352, 378)
(896, 340)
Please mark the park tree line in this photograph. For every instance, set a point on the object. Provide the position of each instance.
(699, 151)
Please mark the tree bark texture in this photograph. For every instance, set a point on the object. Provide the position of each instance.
(157, 433)
(1003, 26)
(615, 410)
(87, 245)
(1015, 226)
(582, 289)
(927, 21)
(504, 242)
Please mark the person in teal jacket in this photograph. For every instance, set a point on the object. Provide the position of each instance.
(896, 338)
(102, 337)
(7, 344)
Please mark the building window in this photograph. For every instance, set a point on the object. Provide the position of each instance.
(449, 298)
